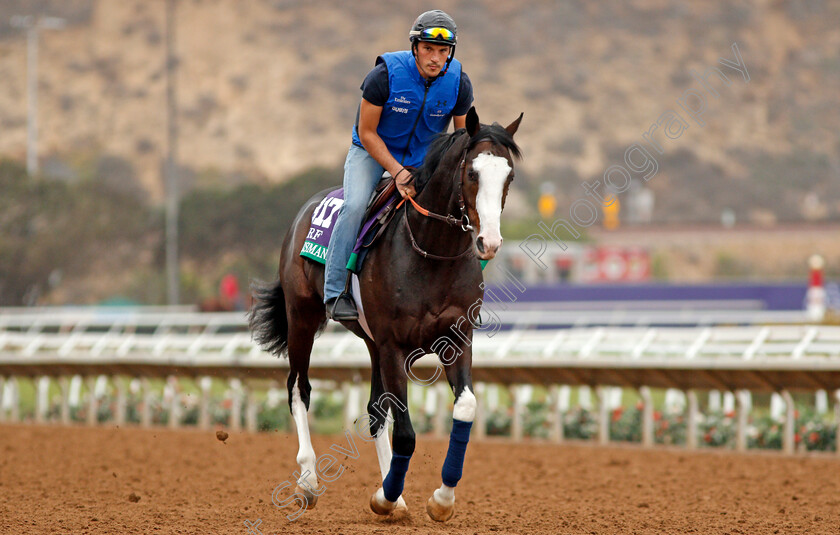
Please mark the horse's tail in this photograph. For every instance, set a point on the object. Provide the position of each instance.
(267, 318)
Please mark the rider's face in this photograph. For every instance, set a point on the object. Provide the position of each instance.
(431, 58)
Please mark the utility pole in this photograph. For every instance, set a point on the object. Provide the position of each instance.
(32, 25)
(172, 193)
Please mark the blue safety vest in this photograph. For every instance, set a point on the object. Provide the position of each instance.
(414, 113)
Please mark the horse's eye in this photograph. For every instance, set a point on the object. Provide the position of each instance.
(473, 175)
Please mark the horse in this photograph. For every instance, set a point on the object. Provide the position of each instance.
(417, 286)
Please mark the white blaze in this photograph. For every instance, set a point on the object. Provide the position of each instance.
(492, 175)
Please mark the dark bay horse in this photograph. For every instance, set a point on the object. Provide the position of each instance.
(416, 286)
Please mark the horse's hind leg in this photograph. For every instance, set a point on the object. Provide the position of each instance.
(379, 427)
(441, 506)
(301, 336)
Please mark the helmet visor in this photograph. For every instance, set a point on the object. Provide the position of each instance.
(439, 35)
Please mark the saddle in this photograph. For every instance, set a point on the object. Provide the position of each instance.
(384, 198)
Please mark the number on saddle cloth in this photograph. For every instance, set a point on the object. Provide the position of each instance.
(379, 213)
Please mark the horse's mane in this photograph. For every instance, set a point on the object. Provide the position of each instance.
(495, 133)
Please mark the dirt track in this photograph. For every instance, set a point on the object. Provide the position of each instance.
(78, 480)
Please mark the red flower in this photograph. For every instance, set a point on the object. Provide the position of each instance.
(730, 414)
(707, 437)
(665, 424)
(814, 437)
(797, 438)
(795, 414)
(657, 416)
(616, 414)
(639, 405)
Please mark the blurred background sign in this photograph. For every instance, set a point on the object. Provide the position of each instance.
(611, 212)
(547, 203)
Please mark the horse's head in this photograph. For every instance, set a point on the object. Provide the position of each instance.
(486, 177)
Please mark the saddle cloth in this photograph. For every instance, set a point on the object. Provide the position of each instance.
(379, 213)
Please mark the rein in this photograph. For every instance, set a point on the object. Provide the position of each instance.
(463, 221)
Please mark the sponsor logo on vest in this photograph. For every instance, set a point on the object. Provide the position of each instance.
(403, 100)
(399, 110)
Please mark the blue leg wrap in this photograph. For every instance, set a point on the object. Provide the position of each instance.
(453, 466)
(395, 480)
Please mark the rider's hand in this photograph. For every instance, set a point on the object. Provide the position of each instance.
(405, 183)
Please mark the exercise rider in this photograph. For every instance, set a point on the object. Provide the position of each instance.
(407, 99)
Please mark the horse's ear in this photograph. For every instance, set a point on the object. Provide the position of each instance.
(514, 126)
(472, 122)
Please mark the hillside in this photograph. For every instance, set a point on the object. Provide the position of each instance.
(269, 88)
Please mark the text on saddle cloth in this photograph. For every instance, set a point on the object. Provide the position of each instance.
(322, 224)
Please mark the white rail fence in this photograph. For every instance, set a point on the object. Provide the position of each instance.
(104, 346)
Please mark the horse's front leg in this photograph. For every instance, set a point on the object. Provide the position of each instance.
(379, 418)
(395, 397)
(441, 506)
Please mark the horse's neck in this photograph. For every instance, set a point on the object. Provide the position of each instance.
(440, 194)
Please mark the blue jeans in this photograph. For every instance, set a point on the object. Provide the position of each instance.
(361, 175)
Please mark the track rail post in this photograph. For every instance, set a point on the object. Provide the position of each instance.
(647, 417)
(441, 391)
(742, 398)
(837, 420)
(251, 408)
(235, 419)
(481, 411)
(204, 384)
(64, 388)
(603, 415)
(517, 429)
(789, 430)
(122, 400)
(555, 415)
(93, 403)
(42, 401)
(146, 409)
(691, 420)
(14, 393)
(174, 402)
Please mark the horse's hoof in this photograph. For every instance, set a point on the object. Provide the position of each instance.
(311, 499)
(401, 506)
(381, 506)
(439, 512)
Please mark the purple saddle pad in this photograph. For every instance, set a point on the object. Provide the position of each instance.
(321, 226)
(320, 229)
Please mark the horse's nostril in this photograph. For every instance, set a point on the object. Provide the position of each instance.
(479, 243)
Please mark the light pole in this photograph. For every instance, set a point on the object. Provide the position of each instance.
(32, 24)
(172, 272)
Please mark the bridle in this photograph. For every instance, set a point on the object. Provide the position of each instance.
(463, 221)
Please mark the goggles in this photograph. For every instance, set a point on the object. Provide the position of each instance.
(436, 34)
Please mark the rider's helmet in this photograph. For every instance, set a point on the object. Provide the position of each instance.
(435, 27)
